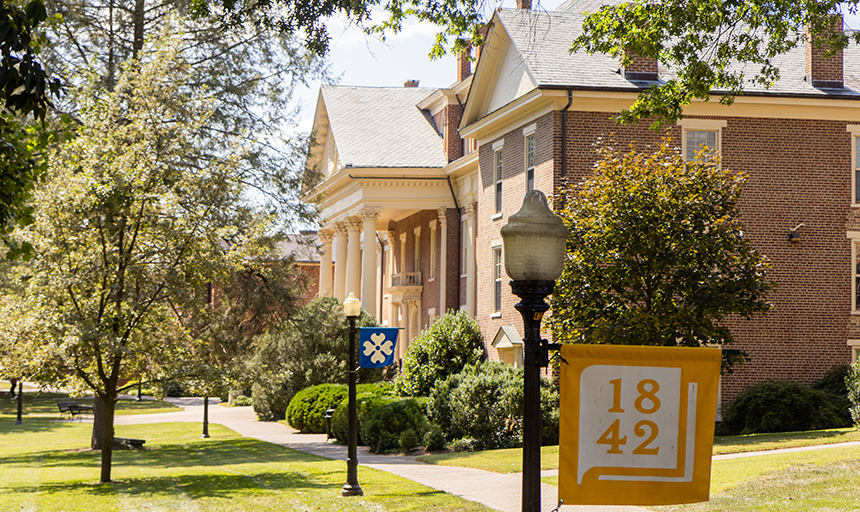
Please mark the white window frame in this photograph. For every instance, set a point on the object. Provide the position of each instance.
(432, 273)
(529, 135)
(854, 236)
(416, 258)
(854, 130)
(498, 178)
(497, 274)
(703, 125)
(464, 247)
(402, 268)
(855, 349)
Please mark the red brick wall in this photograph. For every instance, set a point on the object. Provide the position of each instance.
(799, 172)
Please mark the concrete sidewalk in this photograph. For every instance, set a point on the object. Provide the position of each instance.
(500, 492)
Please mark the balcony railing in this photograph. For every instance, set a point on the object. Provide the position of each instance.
(406, 279)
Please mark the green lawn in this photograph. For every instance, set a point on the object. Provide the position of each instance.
(46, 466)
(45, 404)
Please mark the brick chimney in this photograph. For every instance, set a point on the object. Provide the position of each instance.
(464, 64)
(642, 68)
(524, 4)
(410, 83)
(485, 33)
(823, 72)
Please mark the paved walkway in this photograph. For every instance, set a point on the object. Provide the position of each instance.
(500, 492)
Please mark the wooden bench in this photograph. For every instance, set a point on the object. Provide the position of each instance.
(73, 408)
(127, 442)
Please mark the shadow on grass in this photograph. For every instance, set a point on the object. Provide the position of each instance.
(229, 485)
(33, 425)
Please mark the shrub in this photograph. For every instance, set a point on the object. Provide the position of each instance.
(382, 427)
(443, 349)
(368, 397)
(306, 411)
(484, 405)
(852, 383)
(780, 406)
(434, 439)
(308, 348)
(408, 439)
(243, 401)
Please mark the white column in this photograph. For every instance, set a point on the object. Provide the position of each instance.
(443, 259)
(368, 273)
(353, 257)
(326, 236)
(340, 261)
(470, 259)
(403, 310)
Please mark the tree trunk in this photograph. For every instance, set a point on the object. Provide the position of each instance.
(98, 423)
(107, 434)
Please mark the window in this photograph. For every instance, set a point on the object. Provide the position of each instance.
(497, 279)
(855, 272)
(417, 259)
(855, 163)
(433, 250)
(497, 179)
(700, 133)
(529, 152)
(464, 247)
(402, 268)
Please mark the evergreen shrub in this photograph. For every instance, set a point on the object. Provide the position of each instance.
(306, 411)
(780, 406)
(367, 398)
(382, 427)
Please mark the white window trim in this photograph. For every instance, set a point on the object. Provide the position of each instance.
(496, 245)
(416, 258)
(498, 181)
(854, 130)
(432, 235)
(855, 349)
(402, 268)
(464, 249)
(716, 125)
(854, 236)
(526, 136)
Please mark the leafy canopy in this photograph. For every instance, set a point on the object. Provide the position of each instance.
(710, 45)
(656, 254)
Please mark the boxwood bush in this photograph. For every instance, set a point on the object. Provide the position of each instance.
(443, 349)
(781, 406)
(368, 397)
(306, 411)
(383, 427)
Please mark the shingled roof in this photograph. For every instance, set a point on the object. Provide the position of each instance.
(382, 127)
(544, 39)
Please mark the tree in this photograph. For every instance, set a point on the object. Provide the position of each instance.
(709, 45)
(456, 19)
(25, 88)
(308, 348)
(247, 70)
(135, 217)
(657, 253)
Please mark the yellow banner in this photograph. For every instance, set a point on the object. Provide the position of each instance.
(637, 424)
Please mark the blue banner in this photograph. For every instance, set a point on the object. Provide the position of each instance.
(376, 346)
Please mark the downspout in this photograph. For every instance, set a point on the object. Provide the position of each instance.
(564, 133)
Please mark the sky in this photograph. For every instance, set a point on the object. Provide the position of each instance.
(356, 59)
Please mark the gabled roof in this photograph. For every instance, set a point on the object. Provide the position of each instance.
(381, 127)
(530, 49)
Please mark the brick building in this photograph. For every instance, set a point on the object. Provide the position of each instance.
(420, 181)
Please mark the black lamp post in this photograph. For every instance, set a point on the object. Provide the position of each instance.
(534, 242)
(20, 419)
(352, 309)
(205, 434)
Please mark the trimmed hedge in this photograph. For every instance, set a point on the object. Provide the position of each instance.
(366, 401)
(781, 406)
(384, 427)
(306, 411)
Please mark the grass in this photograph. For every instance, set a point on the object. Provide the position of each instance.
(45, 466)
(45, 404)
(510, 461)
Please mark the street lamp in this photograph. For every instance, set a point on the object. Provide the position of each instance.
(534, 241)
(352, 308)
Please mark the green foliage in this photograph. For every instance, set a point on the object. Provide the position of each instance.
(781, 406)
(409, 439)
(382, 427)
(852, 385)
(708, 45)
(306, 411)
(434, 439)
(657, 253)
(307, 349)
(243, 401)
(443, 349)
(368, 397)
(455, 18)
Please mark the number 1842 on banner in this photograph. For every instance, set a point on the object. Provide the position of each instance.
(637, 424)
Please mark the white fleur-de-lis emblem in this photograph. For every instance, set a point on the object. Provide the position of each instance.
(377, 347)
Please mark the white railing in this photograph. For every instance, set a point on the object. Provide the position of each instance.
(406, 279)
